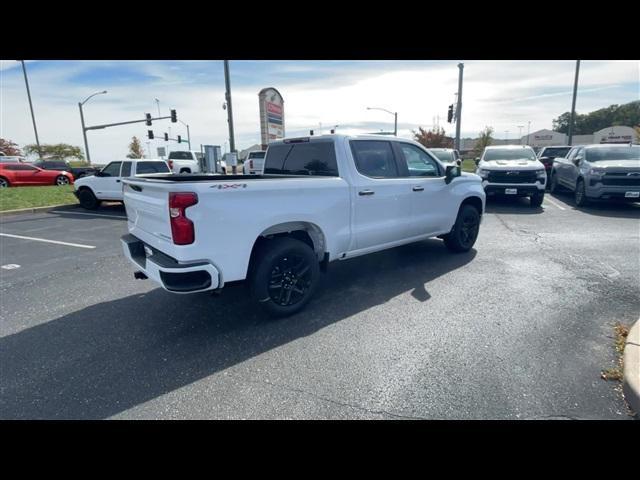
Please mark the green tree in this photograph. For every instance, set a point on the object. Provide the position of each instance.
(9, 148)
(434, 138)
(627, 114)
(135, 149)
(485, 138)
(58, 151)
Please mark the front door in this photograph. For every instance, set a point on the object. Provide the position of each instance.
(431, 205)
(381, 198)
(108, 186)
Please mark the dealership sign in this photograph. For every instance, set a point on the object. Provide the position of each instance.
(271, 115)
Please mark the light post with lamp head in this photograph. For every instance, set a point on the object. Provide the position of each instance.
(84, 130)
(395, 115)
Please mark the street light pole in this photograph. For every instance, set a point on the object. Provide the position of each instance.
(232, 144)
(188, 134)
(520, 127)
(395, 116)
(84, 128)
(573, 104)
(33, 118)
(528, 131)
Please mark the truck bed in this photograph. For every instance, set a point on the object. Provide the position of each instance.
(213, 177)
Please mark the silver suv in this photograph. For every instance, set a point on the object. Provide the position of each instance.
(599, 172)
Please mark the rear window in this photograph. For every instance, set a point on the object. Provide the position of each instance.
(555, 152)
(316, 158)
(180, 156)
(256, 155)
(151, 167)
(443, 155)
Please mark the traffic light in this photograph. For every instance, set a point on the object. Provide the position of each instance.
(311, 133)
(174, 116)
(166, 137)
(150, 134)
(148, 119)
(333, 131)
(179, 139)
(450, 113)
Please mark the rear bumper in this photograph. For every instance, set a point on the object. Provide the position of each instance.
(172, 276)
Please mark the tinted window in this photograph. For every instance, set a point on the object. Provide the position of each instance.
(374, 158)
(555, 152)
(180, 156)
(22, 167)
(126, 169)
(151, 167)
(613, 153)
(419, 163)
(51, 165)
(317, 158)
(256, 155)
(111, 170)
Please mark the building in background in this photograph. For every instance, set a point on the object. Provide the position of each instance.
(271, 116)
(545, 138)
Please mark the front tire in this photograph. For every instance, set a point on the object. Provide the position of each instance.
(284, 277)
(87, 199)
(465, 231)
(536, 200)
(4, 183)
(580, 194)
(553, 183)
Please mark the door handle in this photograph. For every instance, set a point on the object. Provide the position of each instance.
(418, 189)
(366, 192)
(117, 181)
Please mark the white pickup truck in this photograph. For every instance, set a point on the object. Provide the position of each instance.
(184, 161)
(320, 199)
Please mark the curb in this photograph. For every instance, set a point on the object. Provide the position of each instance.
(631, 382)
(65, 206)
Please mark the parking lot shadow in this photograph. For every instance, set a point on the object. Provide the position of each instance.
(616, 209)
(504, 204)
(112, 356)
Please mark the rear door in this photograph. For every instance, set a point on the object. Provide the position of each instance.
(381, 197)
(563, 166)
(431, 208)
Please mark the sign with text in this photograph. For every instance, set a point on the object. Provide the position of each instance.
(271, 115)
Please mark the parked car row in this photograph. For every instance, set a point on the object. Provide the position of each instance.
(591, 172)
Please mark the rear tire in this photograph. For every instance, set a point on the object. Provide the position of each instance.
(536, 200)
(465, 231)
(185, 170)
(580, 194)
(87, 199)
(284, 276)
(62, 180)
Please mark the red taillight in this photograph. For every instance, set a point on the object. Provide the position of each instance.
(170, 162)
(181, 227)
(250, 163)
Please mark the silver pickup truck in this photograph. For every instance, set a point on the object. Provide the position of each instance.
(599, 172)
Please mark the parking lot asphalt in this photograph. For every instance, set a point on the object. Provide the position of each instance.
(518, 328)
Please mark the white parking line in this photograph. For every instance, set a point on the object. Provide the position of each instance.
(91, 214)
(554, 203)
(46, 241)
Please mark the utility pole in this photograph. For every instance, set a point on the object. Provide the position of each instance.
(33, 118)
(528, 131)
(573, 104)
(232, 144)
(520, 127)
(459, 107)
(395, 124)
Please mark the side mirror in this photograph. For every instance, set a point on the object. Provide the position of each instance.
(98, 174)
(576, 161)
(451, 172)
(477, 160)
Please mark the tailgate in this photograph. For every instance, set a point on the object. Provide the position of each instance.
(147, 206)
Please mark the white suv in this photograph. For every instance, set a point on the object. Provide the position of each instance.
(512, 170)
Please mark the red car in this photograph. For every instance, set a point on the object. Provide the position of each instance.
(18, 174)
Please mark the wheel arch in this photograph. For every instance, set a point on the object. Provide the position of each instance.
(474, 201)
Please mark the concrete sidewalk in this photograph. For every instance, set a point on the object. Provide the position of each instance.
(631, 382)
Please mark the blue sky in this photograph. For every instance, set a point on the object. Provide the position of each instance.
(502, 94)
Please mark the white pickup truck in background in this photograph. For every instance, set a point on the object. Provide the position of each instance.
(320, 199)
(254, 163)
(184, 162)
